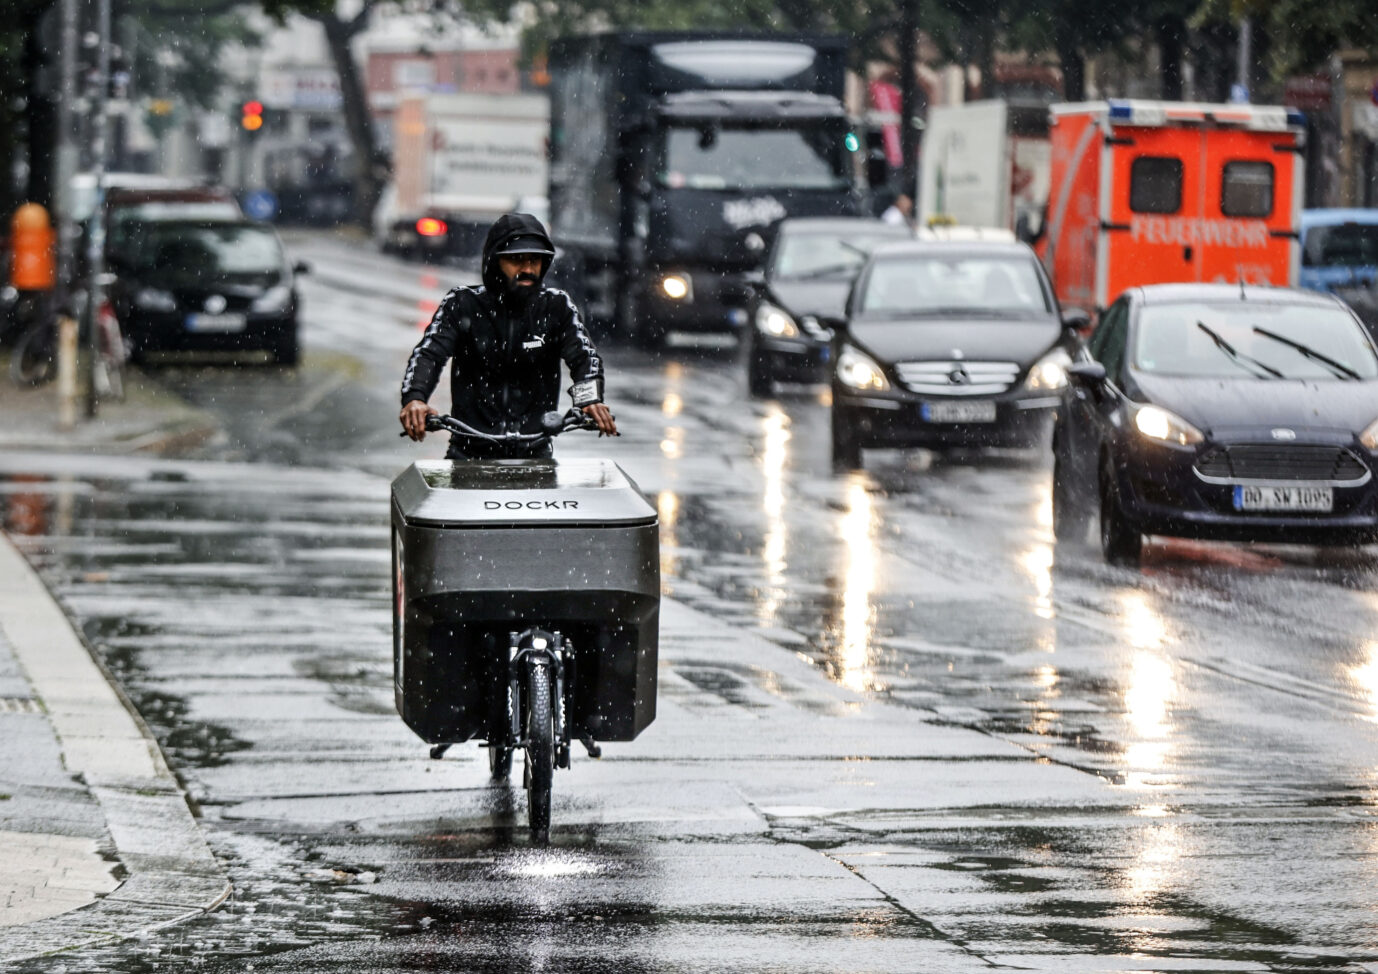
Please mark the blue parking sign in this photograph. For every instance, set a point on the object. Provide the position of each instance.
(261, 205)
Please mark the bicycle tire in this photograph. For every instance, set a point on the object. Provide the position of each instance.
(33, 362)
(540, 751)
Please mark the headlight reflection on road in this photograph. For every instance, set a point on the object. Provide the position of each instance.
(672, 405)
(1147, 709)
(1365, 677)
(673, 443)
(858, 530)
(774, 453)
(1037, 563)
(667, 510)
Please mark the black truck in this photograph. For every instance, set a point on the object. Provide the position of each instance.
(673, 156)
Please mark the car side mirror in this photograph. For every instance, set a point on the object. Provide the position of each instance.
(1086, 373)
(835, 325)
(1075, 320)
(301, 267)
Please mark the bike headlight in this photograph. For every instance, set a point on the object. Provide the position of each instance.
(1159, 424)
(1049, 374)
(276, 298)
(858, 370)
(1369, 437)
(153, 299)
(677, 287)
(775, 322)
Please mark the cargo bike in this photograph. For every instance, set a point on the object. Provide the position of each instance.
(526, 605)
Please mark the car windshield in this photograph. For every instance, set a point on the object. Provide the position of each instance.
(954, 284)
(756, 158)
(826, 254)
(1342, 245)
(183, 251)
(1246, 340)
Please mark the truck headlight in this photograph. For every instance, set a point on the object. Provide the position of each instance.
(775, 322)
(1049, 374)
(276, 298)
(677, 287)
(858, 370)
(154, 299)
(1369, 437)
(1159, 424)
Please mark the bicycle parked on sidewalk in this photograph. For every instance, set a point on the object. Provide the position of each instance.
(33, 360)
(526, 606)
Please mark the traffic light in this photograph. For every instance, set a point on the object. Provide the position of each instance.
(251, 116)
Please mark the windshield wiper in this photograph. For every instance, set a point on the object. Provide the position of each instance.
(828, 271)
(1243, 361)
(1338, 369)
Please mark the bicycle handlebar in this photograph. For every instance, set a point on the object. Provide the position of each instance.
(552, 424)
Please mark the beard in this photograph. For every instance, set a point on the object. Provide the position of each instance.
(520, 291)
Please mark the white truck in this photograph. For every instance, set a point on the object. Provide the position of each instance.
(460, 161)
(985, 164)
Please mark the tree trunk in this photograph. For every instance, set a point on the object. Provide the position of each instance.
(1073, 73)
(909, 96)
(371, 165)
(1171, 30)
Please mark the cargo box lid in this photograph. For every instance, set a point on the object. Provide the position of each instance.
(520, 492)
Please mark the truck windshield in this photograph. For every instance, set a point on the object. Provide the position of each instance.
(1171, 340)
(754, 158)
(932, 285)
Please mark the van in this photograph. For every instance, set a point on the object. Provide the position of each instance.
(1153, 192)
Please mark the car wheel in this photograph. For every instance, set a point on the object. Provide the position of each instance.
(846, 444)
(759, 382)
(286, 351)
(1070, 517)
(1120, 541)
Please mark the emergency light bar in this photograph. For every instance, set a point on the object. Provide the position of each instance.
(1259, 118)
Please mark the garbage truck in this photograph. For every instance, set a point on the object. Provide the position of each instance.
(673, 155)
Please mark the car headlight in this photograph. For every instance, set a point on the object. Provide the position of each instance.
(858, 370)
(1159, 424)
(1369, 437)
(1049, 374)
(775, 322)
(677, 287)
(153, 299)
(276, 298)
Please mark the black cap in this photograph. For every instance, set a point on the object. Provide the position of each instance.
(525, 244)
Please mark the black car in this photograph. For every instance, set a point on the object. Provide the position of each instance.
(949, 344)
(205, 285)
(807, 274)
(1220, 411)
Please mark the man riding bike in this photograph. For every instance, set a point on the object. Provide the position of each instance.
(505, 339)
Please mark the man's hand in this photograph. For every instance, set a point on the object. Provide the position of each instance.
(602, 415)
(413, 417)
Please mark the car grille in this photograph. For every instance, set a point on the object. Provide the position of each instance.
(958, 378)
(1260, 461)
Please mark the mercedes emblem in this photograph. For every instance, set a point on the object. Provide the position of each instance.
(1283, 433)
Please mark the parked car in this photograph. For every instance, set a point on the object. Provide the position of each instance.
(1220, 411)
(807, 274)
(949, 344)
(202, 285)
(1339, 248)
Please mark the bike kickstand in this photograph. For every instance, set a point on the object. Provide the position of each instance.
(438, 751)
(594, 750)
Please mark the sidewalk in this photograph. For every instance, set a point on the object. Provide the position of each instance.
(149, 420)
(97, 841)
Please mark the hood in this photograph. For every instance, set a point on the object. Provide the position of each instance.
(820, 298)
(1225, 406)
(504, 228)
(973, 339)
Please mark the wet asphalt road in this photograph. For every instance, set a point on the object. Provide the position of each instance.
(898, 730)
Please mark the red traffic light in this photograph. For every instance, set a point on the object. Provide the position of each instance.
(429, 226)
(253, 108)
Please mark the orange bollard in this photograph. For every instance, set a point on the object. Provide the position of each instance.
(33, 249)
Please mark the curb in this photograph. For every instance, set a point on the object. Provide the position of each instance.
(172, 876)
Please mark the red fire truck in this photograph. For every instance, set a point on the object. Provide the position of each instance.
(1150, 192)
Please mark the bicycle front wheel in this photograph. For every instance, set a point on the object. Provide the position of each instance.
(34, 359)
(540, 751)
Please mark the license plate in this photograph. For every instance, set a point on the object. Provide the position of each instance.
(980, 411)
(206, 322)
(1269, 497)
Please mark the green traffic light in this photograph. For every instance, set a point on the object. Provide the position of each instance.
(852, 142)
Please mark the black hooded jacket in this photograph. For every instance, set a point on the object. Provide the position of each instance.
(505, 351)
